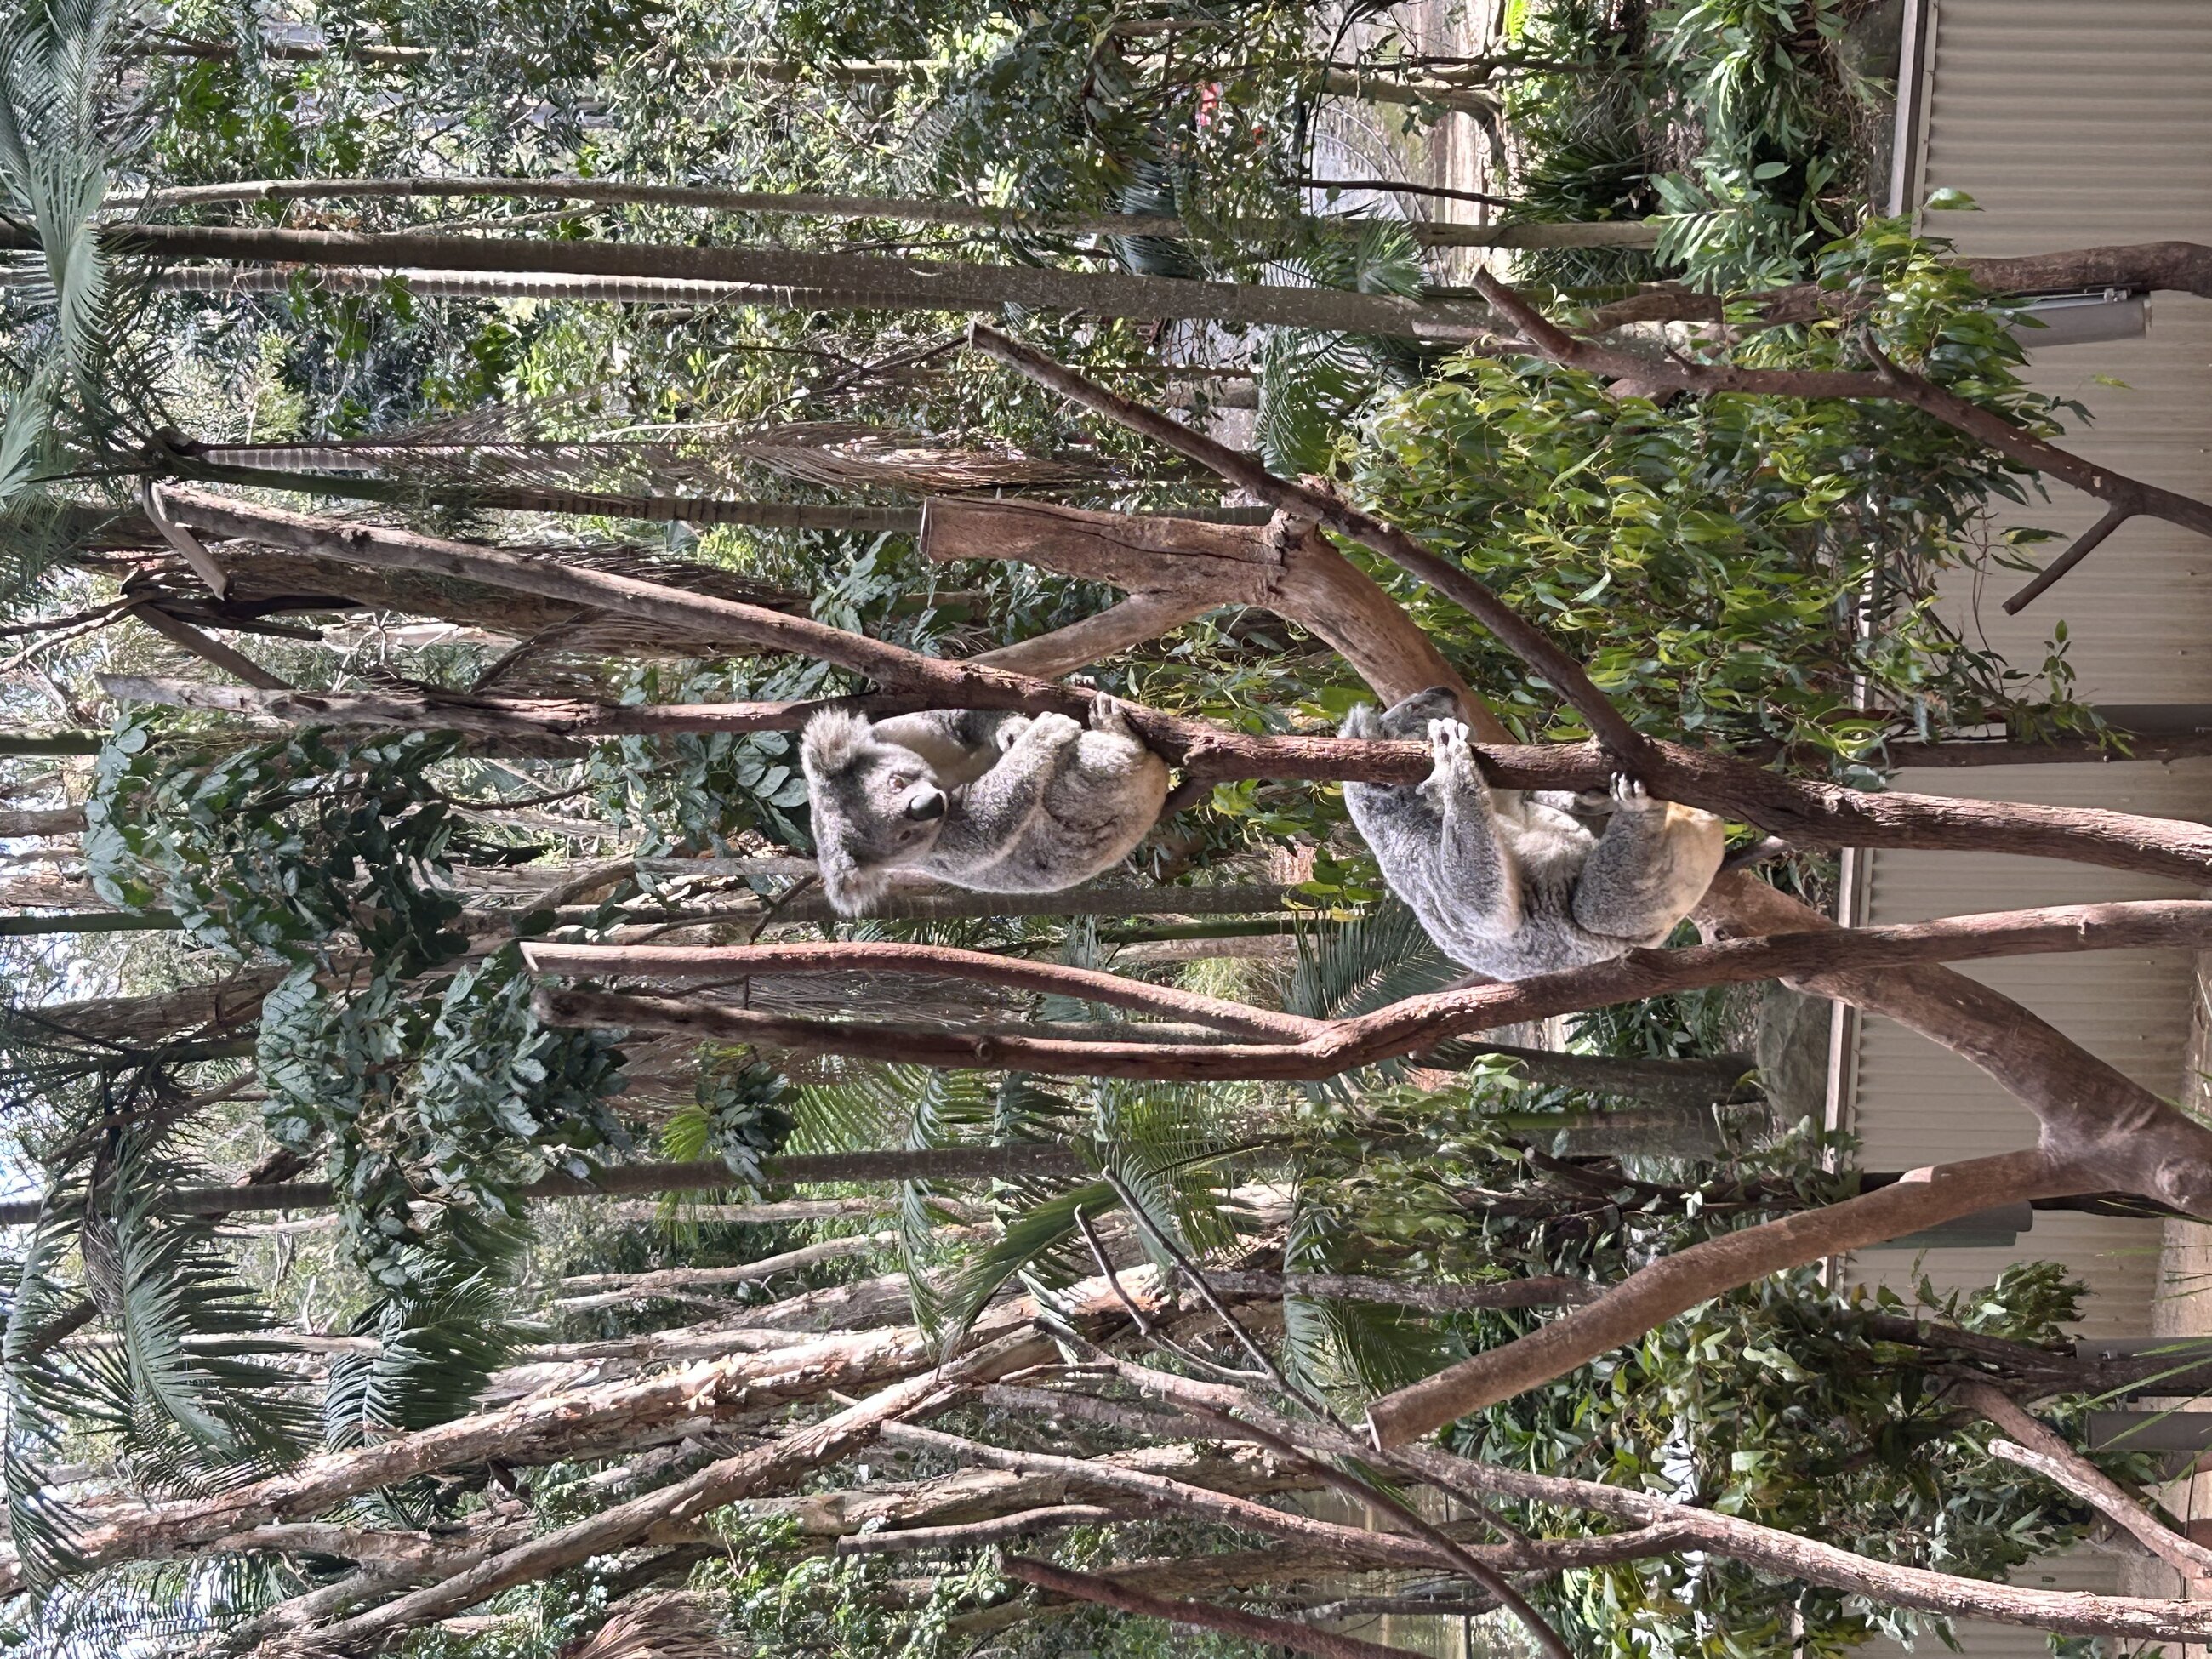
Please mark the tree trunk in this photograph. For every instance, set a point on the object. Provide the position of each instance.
(1010, 1162)
(840, 281)
(905, 209)
(43, 821)
(50, 742)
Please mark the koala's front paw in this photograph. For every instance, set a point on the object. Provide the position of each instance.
(1106, 715)
(1053, 728)
(1629, 795)
(1448, 745)
(1009, 731)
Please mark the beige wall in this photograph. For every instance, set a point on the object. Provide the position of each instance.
(2070, 124)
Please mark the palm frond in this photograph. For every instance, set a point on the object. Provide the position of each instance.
(192, 1359)
(1040, 1243)
(38, 1400)
(1328, 1344)
(1313, 385)
(437, 1350)
(1355, 967)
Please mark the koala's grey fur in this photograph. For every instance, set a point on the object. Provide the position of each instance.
(1510, 884)
(995, 802)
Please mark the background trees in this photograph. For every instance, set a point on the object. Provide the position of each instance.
(316, 1334)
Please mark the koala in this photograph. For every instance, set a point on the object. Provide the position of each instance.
(995, 802)
(1511, 884)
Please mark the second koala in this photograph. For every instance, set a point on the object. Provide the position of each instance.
(1510, 883)
(995, 802)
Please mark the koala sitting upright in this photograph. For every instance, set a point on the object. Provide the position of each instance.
(1508, 883)
(996, 802)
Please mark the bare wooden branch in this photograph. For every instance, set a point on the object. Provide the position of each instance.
(780, 275)
(1418, 1024)
(2040, 1449)
(1536, 1290)
(973, 1534)
(610, 193)
(1803, 812)
(2175, 267)
(208, 648)
(2084, 545)
(628, 1179)
(1885, 380)
(1201, 1615)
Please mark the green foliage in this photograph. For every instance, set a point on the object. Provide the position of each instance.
(1712, 561)
(183, 1394)
(1779, 1402)
(277, 847)
(698, 791)
(448, 1092)
(737, 1116)
(38, 1398)
(204, 1405)
(1736, 121)
(438, 1345)
(1312, 384)
(73, 374)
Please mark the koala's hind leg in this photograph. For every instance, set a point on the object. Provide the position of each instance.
(1472, 869)
(959, 744)
(1649, 868)
(1001, 803)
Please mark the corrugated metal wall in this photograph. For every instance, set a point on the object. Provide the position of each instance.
(2070, 125)
(2073, 125)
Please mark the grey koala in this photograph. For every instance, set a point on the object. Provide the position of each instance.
(996, 802)
(1511, 884)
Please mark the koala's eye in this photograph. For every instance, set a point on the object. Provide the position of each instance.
(902, 780)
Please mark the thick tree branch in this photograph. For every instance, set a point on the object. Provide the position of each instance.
(929, 1164)
(1804, 812)
(1086, 984)
(1418, 1024)
(1674, 1283)
(2172, 267)
(1565, 674)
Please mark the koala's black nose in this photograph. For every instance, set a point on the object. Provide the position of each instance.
(931, 805)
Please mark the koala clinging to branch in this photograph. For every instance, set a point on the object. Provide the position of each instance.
(1507, 882)
(982, 798)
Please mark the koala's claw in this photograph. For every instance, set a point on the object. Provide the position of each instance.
(1106, 715)
(1448, 743)
(1629, 795)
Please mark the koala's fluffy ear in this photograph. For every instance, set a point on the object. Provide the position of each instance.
(833, 739)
